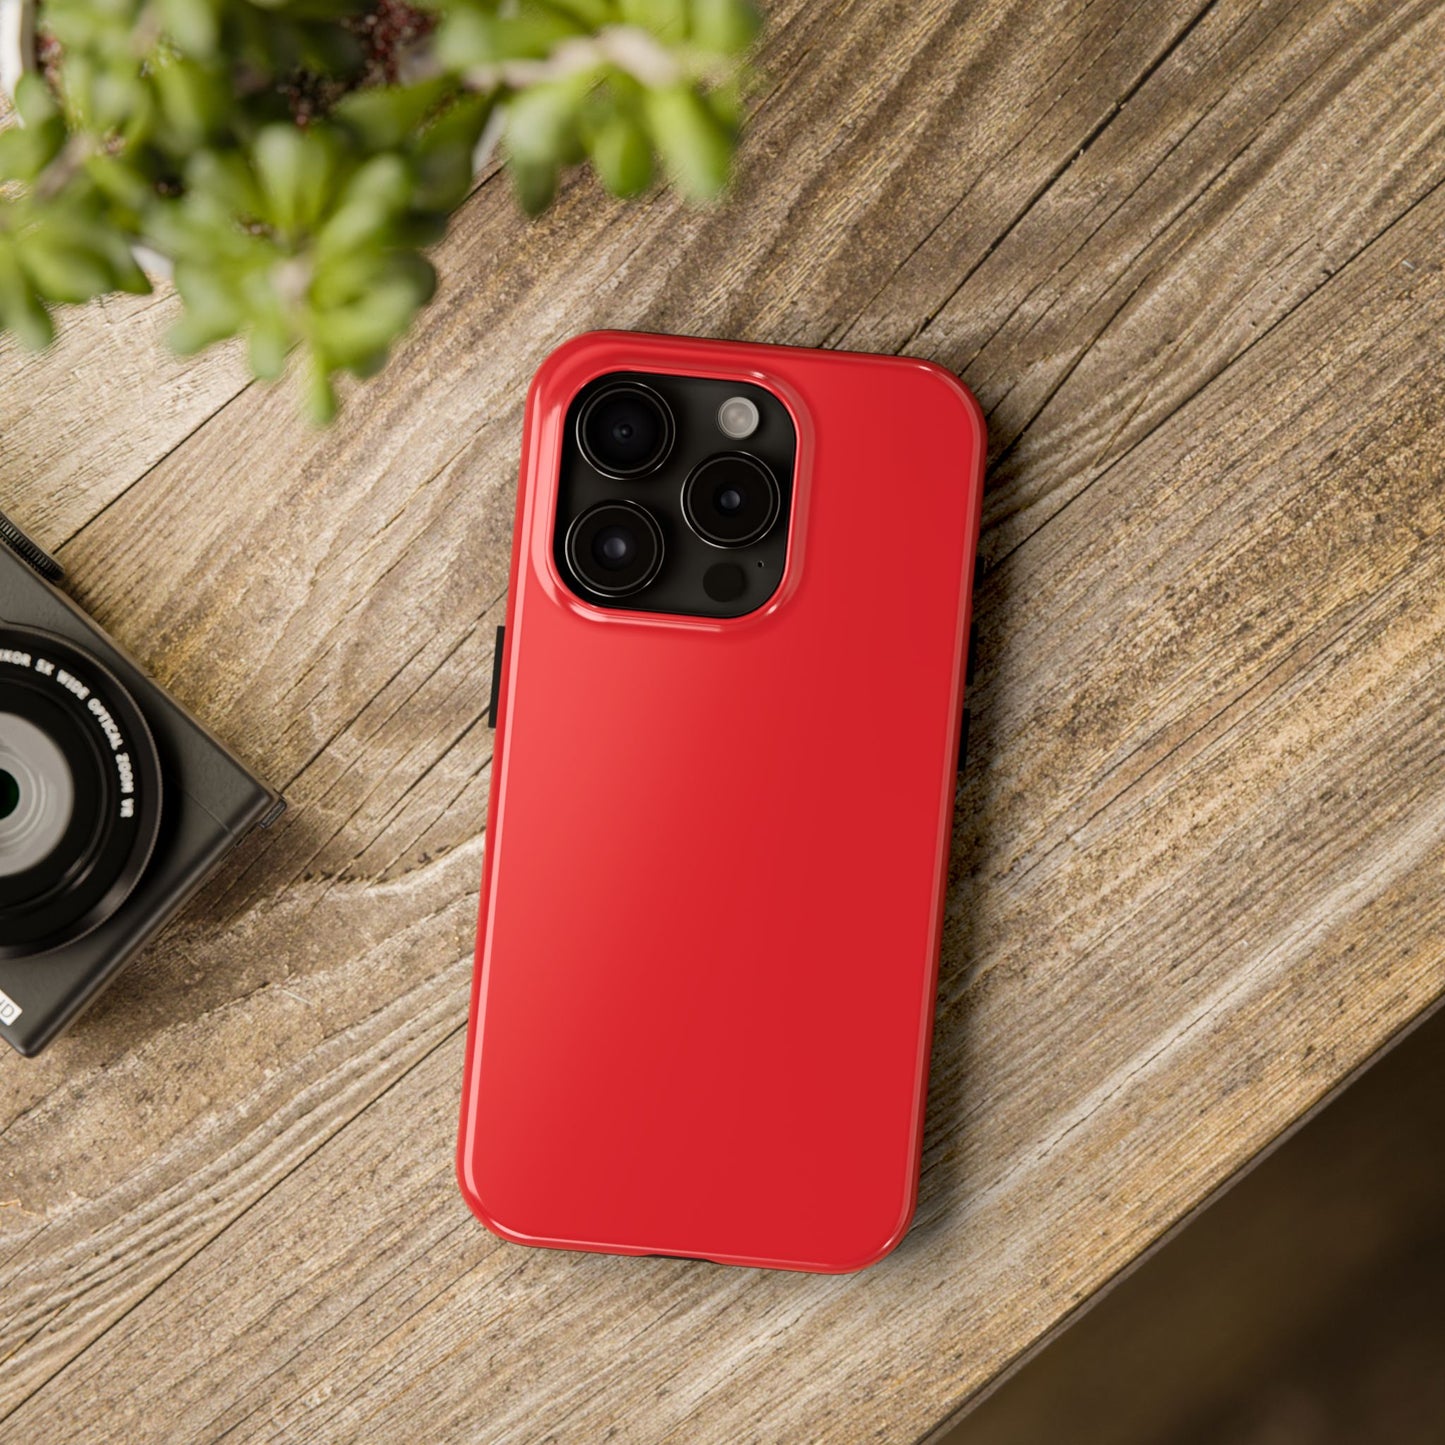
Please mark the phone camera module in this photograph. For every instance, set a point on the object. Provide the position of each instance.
(615, 549)
(673, 493)
(626, 430)
(731, 500)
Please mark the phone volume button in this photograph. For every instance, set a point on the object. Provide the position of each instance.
(495, 703)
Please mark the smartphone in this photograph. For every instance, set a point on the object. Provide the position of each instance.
(728, 702)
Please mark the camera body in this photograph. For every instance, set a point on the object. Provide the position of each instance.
(115, 804)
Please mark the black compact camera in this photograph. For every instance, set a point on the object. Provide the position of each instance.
(115, 805)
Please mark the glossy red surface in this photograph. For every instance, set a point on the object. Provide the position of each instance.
(717, 851)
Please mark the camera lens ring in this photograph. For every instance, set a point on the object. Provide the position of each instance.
(103, 846)
(615, 549)
(628, 404)
(731, 500)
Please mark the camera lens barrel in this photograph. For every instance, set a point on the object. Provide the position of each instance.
(731, 499)
(626, 430)
(80, 793)
(615, 549)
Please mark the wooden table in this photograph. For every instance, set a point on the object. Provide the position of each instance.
(1191, 256)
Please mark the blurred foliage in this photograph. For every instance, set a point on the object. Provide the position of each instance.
(295, 158)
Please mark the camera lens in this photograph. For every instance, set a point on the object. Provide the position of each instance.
(626, 430)
(615, 549)
(731, 500)
(80, 793)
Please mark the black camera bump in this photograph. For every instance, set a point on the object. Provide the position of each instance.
(659, 475)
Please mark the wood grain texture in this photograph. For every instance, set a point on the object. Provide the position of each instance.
(1188, 254)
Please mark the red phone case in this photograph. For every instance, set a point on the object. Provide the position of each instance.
(717, 850)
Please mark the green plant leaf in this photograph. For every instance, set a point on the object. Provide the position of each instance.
(386, 117)
(535, 183)
(442, 155)
(270, 342)
(225, 177)
(25, 151)
(125, 272)
(320, 393)
(190, 102)
(622, 154)
(33, 101)
(297, 171)
(119, 182)
(193, 24)
(213, 310)
(694, 144)
(586, 14)
(542, 121)
(116, 97)
(726, 27)
(353, 336)
(667, 18)
(475, 35)
(191, 334)
(465, 37)
(374, 198)
(62, 272)
(21, 310)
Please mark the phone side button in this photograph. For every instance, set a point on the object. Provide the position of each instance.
(496, 679)
(963, 742)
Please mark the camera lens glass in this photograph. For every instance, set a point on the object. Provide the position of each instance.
(37, 795)
(626, 430)
(731, 499)
(80, 793)
(615, 549)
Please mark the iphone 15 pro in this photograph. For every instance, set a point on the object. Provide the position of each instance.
(728, 706)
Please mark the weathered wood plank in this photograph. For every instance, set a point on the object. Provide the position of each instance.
(1196, 871)
(1270, 146)
(100, 408)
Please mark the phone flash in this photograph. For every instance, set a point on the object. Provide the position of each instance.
(737, 417)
